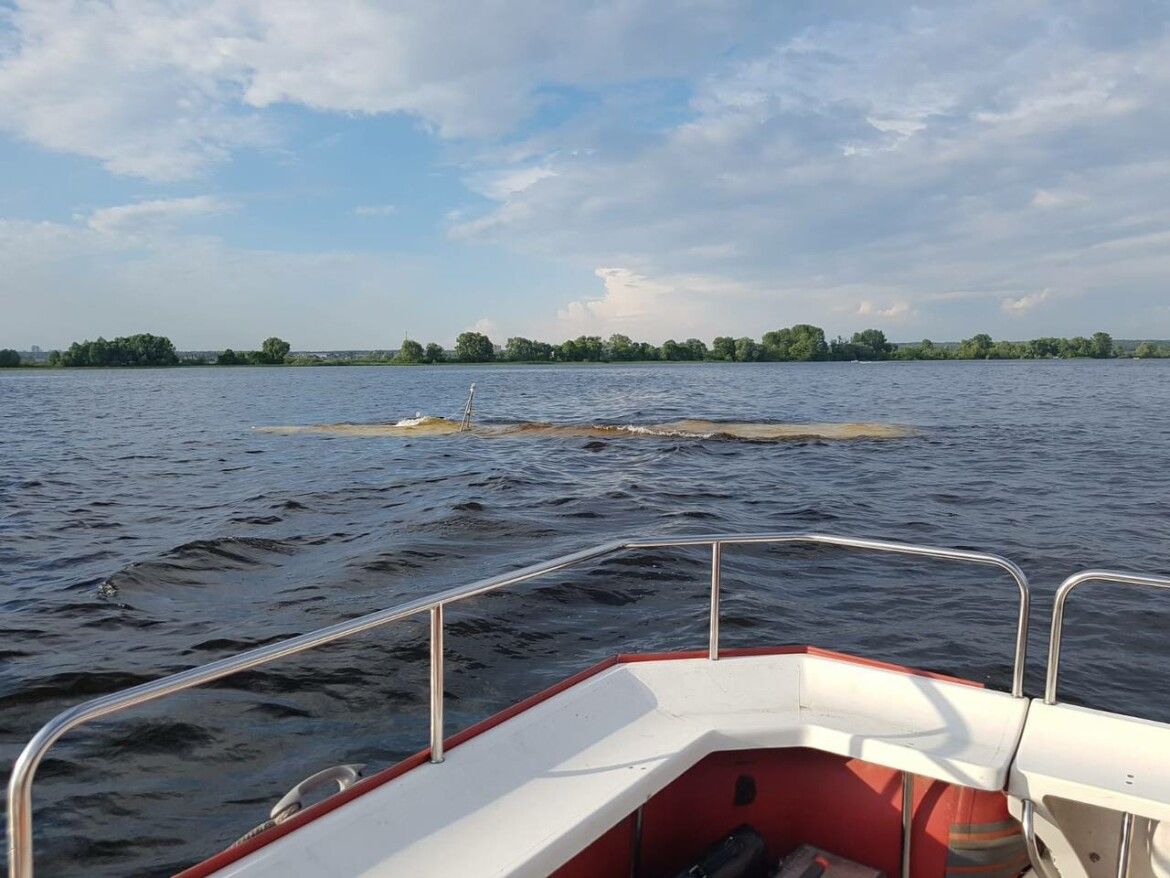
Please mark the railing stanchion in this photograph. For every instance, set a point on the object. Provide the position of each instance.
(907, 822)
(1028, 823)
(1052, 675)
(716, 576)
(1123, 846)
(437, 683)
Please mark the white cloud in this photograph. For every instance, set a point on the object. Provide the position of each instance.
(1024, 304)
(629, 299)
(163, 212)
(930, 164)
(144, 89)
(502, 185)
(651, 308)
(894, 311)
(488, 327)
(1045, 199)
(887, 160)
(163, 91)
(375, 210)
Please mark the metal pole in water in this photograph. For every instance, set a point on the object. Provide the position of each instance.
(466, 425)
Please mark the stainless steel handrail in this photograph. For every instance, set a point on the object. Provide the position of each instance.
(1066, 588)
(1052, 676)
(20, 836)
(1028, 826)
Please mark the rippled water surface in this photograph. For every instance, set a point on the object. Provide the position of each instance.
(146, 527)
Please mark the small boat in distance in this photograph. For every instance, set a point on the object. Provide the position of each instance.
(637, 766)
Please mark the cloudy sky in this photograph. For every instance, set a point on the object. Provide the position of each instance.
(343, 174)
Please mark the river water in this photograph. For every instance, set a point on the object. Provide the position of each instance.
(146, 526)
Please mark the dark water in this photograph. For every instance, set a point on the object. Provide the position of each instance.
(145, 528)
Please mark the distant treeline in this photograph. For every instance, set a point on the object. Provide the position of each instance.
(800, 343)
(143, 349)
(272, 352)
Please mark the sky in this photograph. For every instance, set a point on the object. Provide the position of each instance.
(347, 174)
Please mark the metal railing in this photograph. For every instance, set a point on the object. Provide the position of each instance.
(1052, 676)
(20, 827)
(1062, 593)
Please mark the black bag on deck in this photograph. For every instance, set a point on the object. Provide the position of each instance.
(740, 855)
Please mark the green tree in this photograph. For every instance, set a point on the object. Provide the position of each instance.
(746, 350)
(582, 349)
(524, 350)
(9, 358)
(723, 348)
(519, 349)
(1102, 345)
(274, 350)
(840, 349)
(231, 358)
(143, 349)
(474, 347)
(1044, 348)
(1008, 350)
(620, 348)
(1078, 346)
(434, 353)
(410, 352)
(871, 344)
(689, 350)
(978, 347)
(591, 347)
(54, 358)
(924, 350)
(800, 342)
(1145, 350)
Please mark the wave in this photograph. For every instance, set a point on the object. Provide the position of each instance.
(688, 428)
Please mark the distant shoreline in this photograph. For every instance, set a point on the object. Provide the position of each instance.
(510, 364)
(802, 342)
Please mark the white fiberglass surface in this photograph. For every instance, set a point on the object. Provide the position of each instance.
(559, 774)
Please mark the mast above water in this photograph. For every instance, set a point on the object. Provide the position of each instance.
(465, 424)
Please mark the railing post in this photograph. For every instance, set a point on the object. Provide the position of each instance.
(716, 574)
(437, 683)
(1062, 594)
(20, 838)
(907, 822)
(1123, 845)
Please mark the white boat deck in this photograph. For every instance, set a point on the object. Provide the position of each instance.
(525, 796)
(1129, 768)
